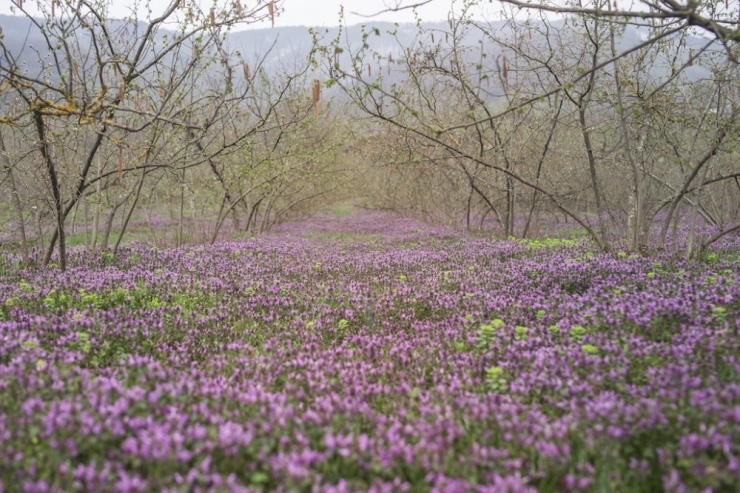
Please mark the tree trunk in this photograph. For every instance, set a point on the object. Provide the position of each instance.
(631, 221)
(603, 232)
(703, 161)
(110, 216)
(181, 215)
(39, 228)
(266, 217)
(692, 227)
(17, 206)
(219, 221)
(253, 215)
(505, 230)
(87, 224)
(74, 218)
(55, 191)
(634, 214)
(96, 213)
(539, 171)
(130, 213)
(511, 192)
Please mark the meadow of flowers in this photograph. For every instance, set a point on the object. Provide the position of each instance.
(366, 353)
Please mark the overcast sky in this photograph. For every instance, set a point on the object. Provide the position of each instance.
(306, 12)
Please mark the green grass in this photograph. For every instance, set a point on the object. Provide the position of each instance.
(78, 239)
(343, 210)
(342, 237)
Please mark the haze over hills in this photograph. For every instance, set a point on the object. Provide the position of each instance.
(283, 47)
(22, 38)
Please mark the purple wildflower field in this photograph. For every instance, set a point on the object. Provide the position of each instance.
(371, 353)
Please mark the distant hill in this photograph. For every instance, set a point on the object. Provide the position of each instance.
(287, 45)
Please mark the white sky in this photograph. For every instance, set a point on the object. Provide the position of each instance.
(326, 12)
(301, 12)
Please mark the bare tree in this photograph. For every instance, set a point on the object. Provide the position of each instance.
(111, 80)
(500, 102)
